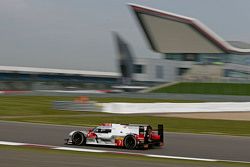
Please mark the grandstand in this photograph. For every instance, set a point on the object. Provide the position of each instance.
(29, 78)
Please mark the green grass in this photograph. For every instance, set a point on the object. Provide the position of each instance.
(42, 105)
(174, 162)
(30, 105)
(171, 124)
(39, 109)
(207, 88)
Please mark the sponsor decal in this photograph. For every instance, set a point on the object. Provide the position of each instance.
(119, 141)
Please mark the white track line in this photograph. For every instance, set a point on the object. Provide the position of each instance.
(11, 143)
(78, 149)
(117, 152)
(181, 158)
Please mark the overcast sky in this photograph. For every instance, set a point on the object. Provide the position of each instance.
(76, 34)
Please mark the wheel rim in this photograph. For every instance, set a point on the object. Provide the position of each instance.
(77, 138)
(130, 143)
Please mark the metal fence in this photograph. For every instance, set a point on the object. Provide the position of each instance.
(76, 106)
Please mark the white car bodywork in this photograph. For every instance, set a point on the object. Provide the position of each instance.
(130, 136)
(108, 133)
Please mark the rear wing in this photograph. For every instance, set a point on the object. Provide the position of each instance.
(161, 132)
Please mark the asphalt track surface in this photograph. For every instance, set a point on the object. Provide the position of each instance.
(177, 144)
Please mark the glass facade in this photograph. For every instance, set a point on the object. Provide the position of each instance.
(139, 68)
(215, 59)
(199, 58)
(239, 59)
(182, 71)
(237, 74)
(211, 58)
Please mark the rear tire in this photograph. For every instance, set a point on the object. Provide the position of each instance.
(130, 142)
(78, 139)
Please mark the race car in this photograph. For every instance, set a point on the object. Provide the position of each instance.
(130, 136)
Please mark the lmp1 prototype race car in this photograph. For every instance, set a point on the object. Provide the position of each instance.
(130, 136)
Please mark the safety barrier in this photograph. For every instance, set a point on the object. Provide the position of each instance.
(76, 106)
(136, 108)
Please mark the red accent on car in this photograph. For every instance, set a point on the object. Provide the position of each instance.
(139, 137)
(155, 136)
(119, 142)
(91, 135)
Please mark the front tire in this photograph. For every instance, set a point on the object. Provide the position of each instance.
(78, 138)
(130, 142)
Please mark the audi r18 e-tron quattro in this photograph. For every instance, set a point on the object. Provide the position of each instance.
(130, 136)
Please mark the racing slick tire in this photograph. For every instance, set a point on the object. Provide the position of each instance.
(130, 142)
(78, 139)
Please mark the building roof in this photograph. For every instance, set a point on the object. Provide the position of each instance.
(240, 44)
(58, 71)
(172, 33)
